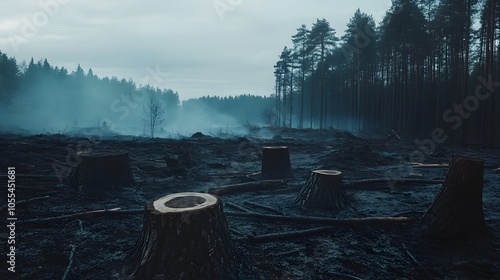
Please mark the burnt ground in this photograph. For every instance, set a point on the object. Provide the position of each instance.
(101, 242)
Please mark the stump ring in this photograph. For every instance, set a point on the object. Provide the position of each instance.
(186, 201)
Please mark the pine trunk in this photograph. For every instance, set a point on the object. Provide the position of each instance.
(184, 236)
(324, 190)
(98, 172)
(276, 163)
(457, 210)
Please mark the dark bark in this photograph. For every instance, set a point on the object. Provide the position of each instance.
(457, 210)
(323, 189)
(98, 172)
(276, 163)
(184, 236)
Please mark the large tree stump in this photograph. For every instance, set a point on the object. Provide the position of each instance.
(323, 190)
(276, 163)
(184, 236)
(101, 171)
(457, 210)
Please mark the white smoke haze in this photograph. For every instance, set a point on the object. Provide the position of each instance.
(89, 110)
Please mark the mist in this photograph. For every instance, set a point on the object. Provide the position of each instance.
(49, 100)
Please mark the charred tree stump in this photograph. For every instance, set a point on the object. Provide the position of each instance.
(276, 163)
(323, 190)
(457, 211)
(102, 171)
(184, 236)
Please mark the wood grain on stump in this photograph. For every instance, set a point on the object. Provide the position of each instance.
(184, 236)
(276, 163)
(457, 210)
(101, 171)
(323, 190)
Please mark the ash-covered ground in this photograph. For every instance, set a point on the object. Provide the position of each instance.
(101, 242)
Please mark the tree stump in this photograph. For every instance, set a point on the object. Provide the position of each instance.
(184, 236)
(101, 171)
(276, 163)
(457, 211)
(323, 190)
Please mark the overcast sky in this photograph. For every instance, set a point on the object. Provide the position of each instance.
(195, 47)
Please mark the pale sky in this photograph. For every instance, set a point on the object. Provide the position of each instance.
(194, 47)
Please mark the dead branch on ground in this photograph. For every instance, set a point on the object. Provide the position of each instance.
(237, 207)
(264, 207)
(375, 221)
(427, 165)
(71, 257)
(114, 211)
(271, 237)
(249, 186)
(22, 202)
(389, 182)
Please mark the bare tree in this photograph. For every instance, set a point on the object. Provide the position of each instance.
(154, 113)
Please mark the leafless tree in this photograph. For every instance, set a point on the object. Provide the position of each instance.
(154, 113)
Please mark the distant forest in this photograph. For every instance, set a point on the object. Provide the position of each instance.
(55, 100)
(429, 68)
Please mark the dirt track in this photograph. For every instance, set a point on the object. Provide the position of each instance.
(374, 252)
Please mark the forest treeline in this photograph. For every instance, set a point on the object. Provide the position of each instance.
(42, 97)
(428, 68)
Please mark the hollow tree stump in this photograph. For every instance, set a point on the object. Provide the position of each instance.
(184, 236)
(276, 163)
(457, 210)
(101, 171)
(323, 190)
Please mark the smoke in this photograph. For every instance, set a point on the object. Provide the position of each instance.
(86, 109)
(201, 118)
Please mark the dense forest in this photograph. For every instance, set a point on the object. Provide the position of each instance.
(41, 98)
(430, 68)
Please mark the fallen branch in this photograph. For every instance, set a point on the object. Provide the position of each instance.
(325, 221)
(415, 261)
(114, 211)
(32, 176)
(250, 186)
(428, 165)
(22, 202)
(389, 182)
(237, 207)
(71, 257)
(264, 207)
(80, 223)
(410, 255)
(284, 254)
(271, 237)
(337, 275)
